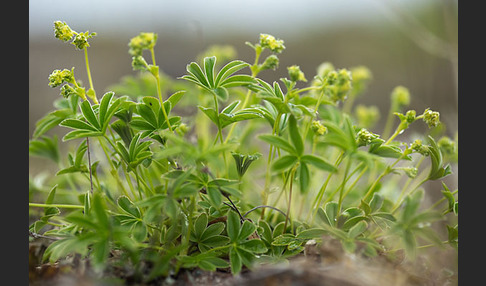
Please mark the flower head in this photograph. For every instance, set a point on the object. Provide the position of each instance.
(400, 96)
(318, 128)
(144, 41)
(271, 62)
(431, 118)
(365, 137)
(418, 147)
(58, 77)
(269, 42)
(296, 74)
(63, 32)
(81, 40)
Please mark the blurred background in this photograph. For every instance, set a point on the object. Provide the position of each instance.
(412, 43)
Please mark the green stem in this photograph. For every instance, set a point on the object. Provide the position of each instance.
(56, 205)
(159, 91)
(95, 100)
(320, 194)
(292, 173)
(384, 173)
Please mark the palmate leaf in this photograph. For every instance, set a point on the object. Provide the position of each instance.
(136, 153)
(94, 124)
(218, 83)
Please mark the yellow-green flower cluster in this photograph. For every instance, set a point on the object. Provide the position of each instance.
(318, 128)
(417, 146)
(400, 96)
(271, 43)
(365, 137)
(64, 33)
(431, 118)
(144, 41)
(58, 77)
(361, 76)
(338, 84)
(296, 74)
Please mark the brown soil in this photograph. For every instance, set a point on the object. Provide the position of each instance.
(326, 264)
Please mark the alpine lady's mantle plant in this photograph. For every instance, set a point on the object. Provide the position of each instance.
(257, 170)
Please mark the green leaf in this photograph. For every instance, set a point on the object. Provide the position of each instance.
(209, 63)
(237, 80)
(76, 134)
(77, 124)
(384, 215)
(211, 113)
(233, 225)
(229, 69)
(45, 147)
(228, 109)
(311, 233)
(283, 239)
(99, 210)
(246, 230)
(227, 119)
(283, 163)
(318, 162)
(200, 225)
(89, 115)
(254, 246)
(295, 136)
(127, 205)
(175, 97)
(304, 177)
(279, 143)
(376, 202)
(215, 241)
(235, 261)
(357, 229)
(194, 69)
(221, 93)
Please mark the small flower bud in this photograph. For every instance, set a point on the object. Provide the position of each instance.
(58, 77)
(139, 63)
(296, 74)
(400, 96)
(411, 172)
(324, 68)
(182, 129)
(418, 147)
(67, 90)
(448, 148)
(81, 40)
(271, 62)
(269, 42)
(318, 128)
(144, 41)
(410, 116)
(361, 76)
(62, 31)
(431, 118)
(364, 137)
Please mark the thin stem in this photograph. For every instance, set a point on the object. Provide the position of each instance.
(159, 91)
(89, 166)
(95, 100)
(384, 173)
(320, 194)
(292, 172)
(64, 206)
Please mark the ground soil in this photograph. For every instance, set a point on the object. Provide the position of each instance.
(325, 264)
